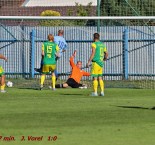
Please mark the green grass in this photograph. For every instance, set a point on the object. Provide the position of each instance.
(77, 118)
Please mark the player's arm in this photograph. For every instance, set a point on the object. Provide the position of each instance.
(86, 73)
(57, 51)
(3, 57)
(42, 51)
(72, 59)
(105, 54)
(92, 54)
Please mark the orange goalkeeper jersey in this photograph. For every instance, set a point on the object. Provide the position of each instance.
(77, 73)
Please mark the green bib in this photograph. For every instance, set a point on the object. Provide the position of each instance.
(99, 53)
(49, 53)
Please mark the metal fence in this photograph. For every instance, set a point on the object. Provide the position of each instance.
(131, 49)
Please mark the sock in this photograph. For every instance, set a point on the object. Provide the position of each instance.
(101, 85)
(53, 81)
(58, 85)
(3, 87)
(95, 85)
(42, 79)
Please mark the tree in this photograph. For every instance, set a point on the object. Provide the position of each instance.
(81, 11)
(127, 8)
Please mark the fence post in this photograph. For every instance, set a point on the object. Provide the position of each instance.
(125, 54)
(32, 53)
(98, 14)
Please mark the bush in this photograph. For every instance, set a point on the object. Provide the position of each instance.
(50, 22)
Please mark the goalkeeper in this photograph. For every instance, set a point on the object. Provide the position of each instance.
(2, 75)
(76, 75)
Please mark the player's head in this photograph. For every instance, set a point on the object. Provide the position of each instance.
(60, 32)
(50, 37)
(79, 64)
(96, 36)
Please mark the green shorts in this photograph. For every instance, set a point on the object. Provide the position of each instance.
(1, 71)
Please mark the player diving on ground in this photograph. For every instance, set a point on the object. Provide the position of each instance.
(76, 74)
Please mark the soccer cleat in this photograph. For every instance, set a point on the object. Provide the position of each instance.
(41, 87)
(102, 94)
(49, 87)
(83, 86)
(94, 94)
(38, 70)
(3, 91)
(53, 89)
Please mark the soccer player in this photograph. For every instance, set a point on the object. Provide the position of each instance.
(62, 45)
(2, 75)
(50, 51)
(76, 75)
(98, 56)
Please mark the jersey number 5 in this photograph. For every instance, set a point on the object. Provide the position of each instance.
(49, 51)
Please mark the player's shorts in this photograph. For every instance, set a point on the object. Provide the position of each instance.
(1, 71)
(48, 68)
(72, 83)
(96, 70)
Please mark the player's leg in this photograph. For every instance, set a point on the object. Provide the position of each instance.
(3, 84)
(41, 66)
(42, 81)
(2, 80)
(64, 85)
(100, 73)
(56, 73)
(101, 86)
(52, 69)
(94, 74)
(72, 83)
(95, 86)
(45, 70)
(53, 80)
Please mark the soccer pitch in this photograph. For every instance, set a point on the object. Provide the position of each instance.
(72, 117)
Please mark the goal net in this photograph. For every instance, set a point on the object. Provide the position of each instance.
(130, 42)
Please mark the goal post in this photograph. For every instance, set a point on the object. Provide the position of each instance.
(129, 40)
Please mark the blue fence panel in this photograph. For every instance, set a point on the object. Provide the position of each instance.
(141, 43)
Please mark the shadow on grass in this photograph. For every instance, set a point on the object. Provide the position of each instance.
(29, 88)
(70, 94)
(137, 107)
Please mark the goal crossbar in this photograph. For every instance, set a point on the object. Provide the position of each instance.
(76, 18)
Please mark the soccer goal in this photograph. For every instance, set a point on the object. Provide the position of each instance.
(130, 42)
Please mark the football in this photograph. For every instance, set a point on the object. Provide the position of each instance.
(9, 84)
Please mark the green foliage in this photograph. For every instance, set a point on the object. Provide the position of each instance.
(50, 22)
(53, 22)
(127, 8)
(50, 13)
(81, 11)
